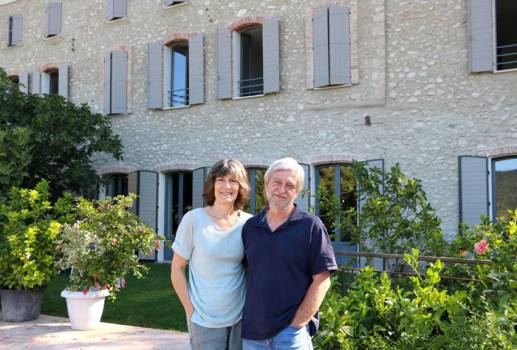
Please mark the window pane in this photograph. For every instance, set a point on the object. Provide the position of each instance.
(179, 88)
(348, 188)
(260, 197)
(505, 185)
(326, 196)
(506, 12)
(54, 83)
(251, 80)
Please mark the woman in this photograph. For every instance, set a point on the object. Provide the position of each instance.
(209, 240)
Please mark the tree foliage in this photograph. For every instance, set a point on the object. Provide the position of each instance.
(46, 137)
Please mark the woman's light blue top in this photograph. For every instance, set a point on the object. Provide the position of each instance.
(216, 275)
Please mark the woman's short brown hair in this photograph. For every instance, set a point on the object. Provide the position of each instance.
(223, 168)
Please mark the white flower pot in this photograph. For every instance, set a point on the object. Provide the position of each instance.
(85, 310)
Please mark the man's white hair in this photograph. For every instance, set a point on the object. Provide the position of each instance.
(287, 164)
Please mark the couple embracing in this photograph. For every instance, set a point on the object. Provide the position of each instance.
(254, 282)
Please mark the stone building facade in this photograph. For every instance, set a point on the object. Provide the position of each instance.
(412, 96)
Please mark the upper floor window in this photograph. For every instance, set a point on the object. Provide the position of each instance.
(54, 18)
(257, 200)
(336, 190)
(248, 62)
(115, 82)
(504, 185)
(116, 9)
(50, 82)
(176, 72)
(331, 46)
(493, 46)
(15, 30)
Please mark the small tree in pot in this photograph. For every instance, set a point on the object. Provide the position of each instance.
(101, 248)
(29, 231)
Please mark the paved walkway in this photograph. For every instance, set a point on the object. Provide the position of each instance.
(49, 332)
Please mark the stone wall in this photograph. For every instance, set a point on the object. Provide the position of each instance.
(410, 77)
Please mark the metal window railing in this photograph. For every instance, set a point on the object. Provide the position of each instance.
(507, 56)
(251, 87)
(179, 97)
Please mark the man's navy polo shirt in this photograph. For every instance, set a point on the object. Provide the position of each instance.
(280, 266)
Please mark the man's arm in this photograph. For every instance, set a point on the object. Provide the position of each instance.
(312, 300)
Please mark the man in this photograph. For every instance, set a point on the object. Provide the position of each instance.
(289, 259)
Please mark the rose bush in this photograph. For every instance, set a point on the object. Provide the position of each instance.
(103, 245)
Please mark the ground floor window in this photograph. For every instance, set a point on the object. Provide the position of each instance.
(257, 199)
(115, 185)
(504, 185)
(335, 186)
(178, 201)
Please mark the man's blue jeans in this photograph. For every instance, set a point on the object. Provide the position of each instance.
(289, 339)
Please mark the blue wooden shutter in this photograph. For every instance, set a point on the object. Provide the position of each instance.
(110, 9)
(198, 181)
(155, 71)
(320, 47)
(36, 83)
(196, 69)
(16, 30)
(302, 201)
(107, 84)
(148, 198)
(120, 9)
(63, 81)
(224, 63)
(481, 36)
(118, 82)
(24, 82)
(54, 18)
(339, 45)
(271, 54)
(473, 189)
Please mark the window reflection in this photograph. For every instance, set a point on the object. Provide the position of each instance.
(257, 200)
(505, 187)
(179, 78)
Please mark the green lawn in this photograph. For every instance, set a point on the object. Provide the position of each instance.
(149, 302)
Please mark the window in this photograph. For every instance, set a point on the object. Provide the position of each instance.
(248, 58)
(15, 30)
(504, 185)
(169, 3)
(257, 199)
(335, 183)
(176, 73)
(54, 11)
(178, 201)
(506, 13)
(116, 9)
(331, 46)
(115, 185)
(15, 79)
(50, 82)
(176, 80)
(115, 82)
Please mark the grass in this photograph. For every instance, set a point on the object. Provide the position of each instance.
(148, 302)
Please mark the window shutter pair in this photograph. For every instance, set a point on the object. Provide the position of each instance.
(116, 9)
(115, 82)
(196, 72)
(270, 52)
(145, 185)
(54, 17)
(331, 46)
(15, 30)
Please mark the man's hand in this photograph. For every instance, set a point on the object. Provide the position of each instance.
(312, 300)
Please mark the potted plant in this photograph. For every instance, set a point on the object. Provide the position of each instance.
(101, 248)
(29, 233)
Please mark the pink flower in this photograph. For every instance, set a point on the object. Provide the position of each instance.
(97, 285)
(85, 291)
(123, 283)
(481, 247)
(113, 241)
